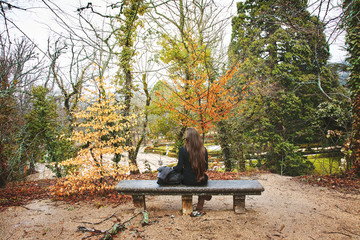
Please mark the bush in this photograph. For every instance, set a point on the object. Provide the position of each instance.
(284, 159)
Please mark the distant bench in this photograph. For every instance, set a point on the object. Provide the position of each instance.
(238, 188)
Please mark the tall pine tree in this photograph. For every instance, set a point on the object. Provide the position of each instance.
(284, 50)
(352, 12)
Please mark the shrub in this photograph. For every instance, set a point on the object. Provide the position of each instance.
(284, 159)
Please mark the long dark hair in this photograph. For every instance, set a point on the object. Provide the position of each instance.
(196, 150)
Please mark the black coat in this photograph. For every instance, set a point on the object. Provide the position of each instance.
(183, 166)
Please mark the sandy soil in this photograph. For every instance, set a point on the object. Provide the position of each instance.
(286, 210)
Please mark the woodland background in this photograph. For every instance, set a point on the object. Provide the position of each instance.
(136, 72)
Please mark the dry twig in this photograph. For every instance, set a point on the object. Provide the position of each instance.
(339, 233)
(351, 232)
(97, 223)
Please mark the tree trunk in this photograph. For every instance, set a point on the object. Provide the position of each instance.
(129, 141)
(242, 161)
(180, 138)
(355, 139)
(147, 104)
(224, 143)
(31, 169)
(3, 167)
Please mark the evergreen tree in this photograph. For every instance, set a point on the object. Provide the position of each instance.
(44, 137)
(283, 49)
(352, 11)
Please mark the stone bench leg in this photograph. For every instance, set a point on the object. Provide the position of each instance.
(239, 203)
(139, 201)
(186, 204)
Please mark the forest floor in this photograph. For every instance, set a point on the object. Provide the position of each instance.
(289, 208)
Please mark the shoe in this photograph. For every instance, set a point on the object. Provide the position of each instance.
(197, 214)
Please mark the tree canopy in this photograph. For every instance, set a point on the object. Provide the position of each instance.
(156, 67)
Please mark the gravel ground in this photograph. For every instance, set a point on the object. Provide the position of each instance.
(287, 209)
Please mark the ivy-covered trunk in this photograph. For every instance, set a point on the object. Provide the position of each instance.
(126, 37)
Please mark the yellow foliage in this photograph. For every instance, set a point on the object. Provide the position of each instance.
(99, 127)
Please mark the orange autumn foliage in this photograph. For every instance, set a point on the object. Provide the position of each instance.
(198, 99)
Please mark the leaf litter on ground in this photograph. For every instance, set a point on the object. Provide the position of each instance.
(20, 193)
(347, 182)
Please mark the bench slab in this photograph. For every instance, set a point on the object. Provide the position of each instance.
(238, 188)
(214, 187)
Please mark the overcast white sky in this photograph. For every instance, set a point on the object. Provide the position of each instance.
(38, 22)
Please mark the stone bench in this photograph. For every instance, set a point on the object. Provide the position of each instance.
(238, 188)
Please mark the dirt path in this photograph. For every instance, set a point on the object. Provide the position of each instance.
(286, 210)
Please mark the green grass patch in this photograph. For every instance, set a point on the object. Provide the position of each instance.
(217, 165)
(325, 163)
(161, 150)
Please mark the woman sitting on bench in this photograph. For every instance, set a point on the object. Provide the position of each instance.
(193, 162)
